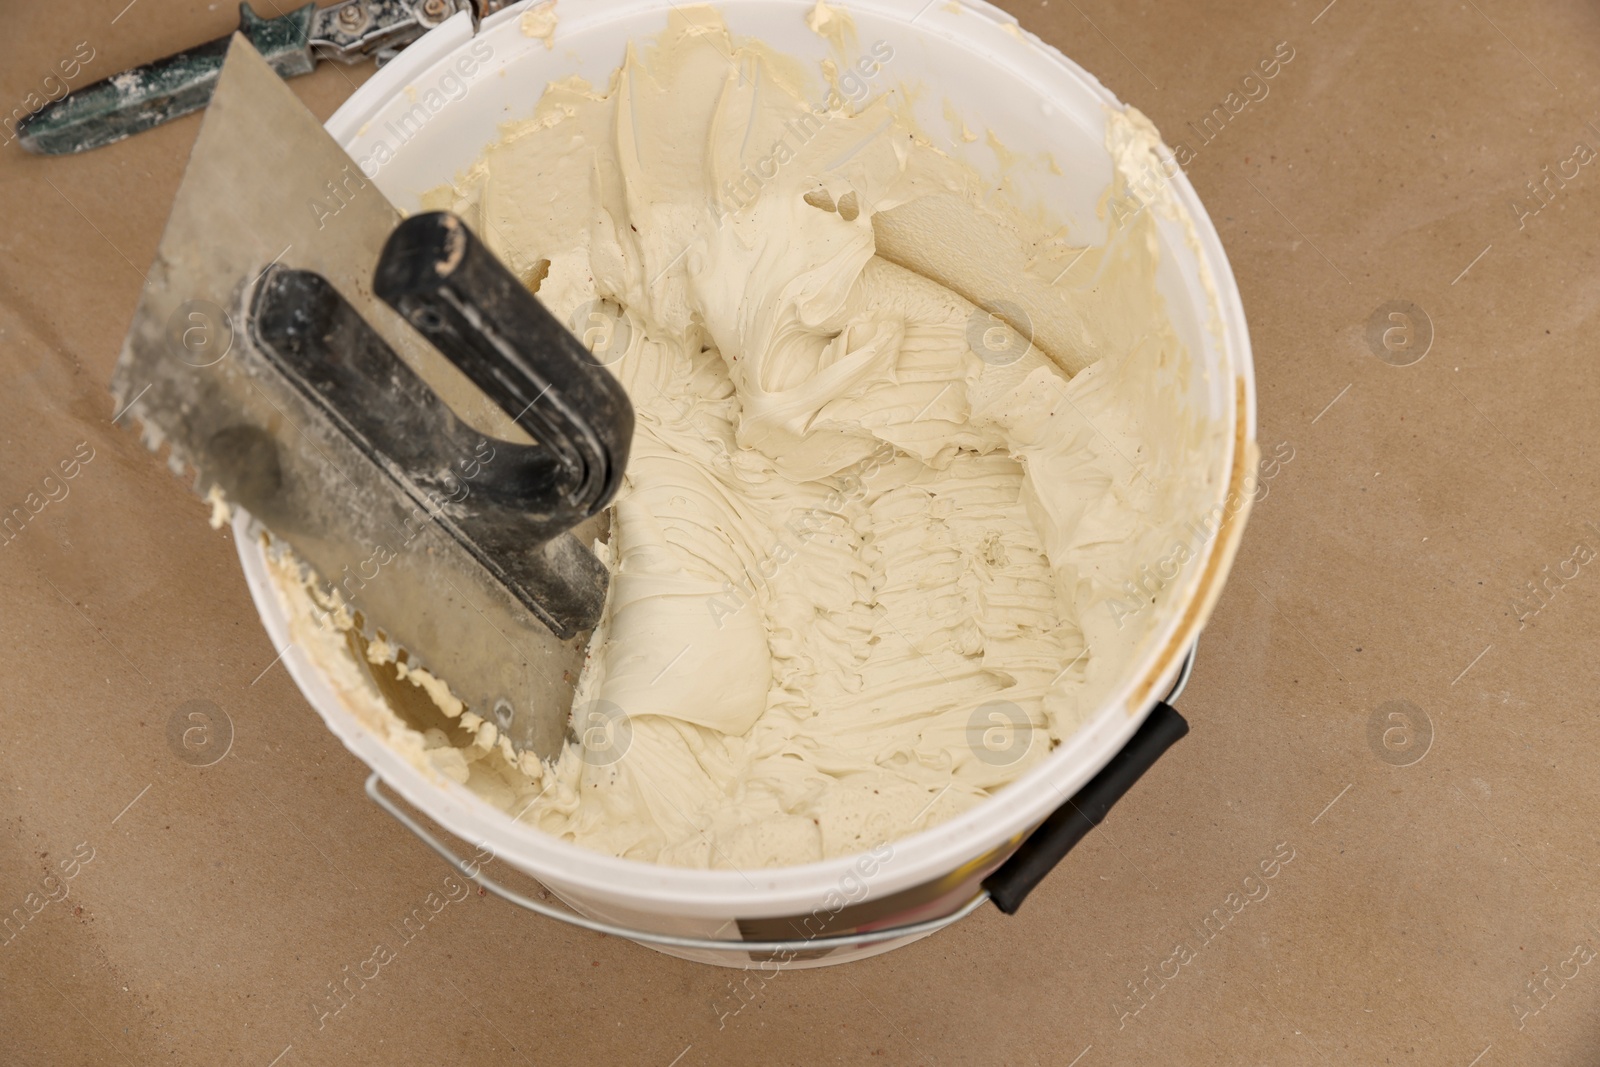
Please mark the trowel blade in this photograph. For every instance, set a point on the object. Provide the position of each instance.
(266, 184)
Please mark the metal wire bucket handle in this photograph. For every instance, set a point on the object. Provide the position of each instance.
(1007, 886)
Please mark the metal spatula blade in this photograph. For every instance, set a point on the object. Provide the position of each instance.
(261, 354)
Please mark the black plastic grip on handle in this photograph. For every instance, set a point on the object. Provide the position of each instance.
(522, 499)
(459, 296)
(1071, 822)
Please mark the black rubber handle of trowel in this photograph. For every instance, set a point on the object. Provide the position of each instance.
(1071, 822)
(436, 273)
(503, 503)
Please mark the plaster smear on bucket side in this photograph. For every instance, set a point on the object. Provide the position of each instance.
(899, 476)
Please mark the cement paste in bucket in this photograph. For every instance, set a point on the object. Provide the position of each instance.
(1076, 193)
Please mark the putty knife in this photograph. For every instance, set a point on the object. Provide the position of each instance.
(293, 43)
(291, 345)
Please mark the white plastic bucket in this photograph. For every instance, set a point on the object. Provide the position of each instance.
(994, 75)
